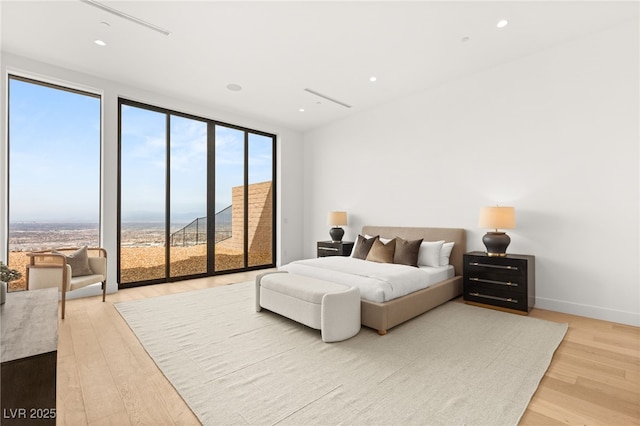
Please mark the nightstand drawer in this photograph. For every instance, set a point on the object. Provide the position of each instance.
(334, 248)
(505, 299)
(487, 281)
(497, 269)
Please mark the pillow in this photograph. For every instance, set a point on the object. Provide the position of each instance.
(363, 245)
(384, 240)
(429, 254)
(407, 252)
(381, 252)
(79, 262)
(445, 252)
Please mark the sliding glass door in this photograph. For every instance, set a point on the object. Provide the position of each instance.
(229, 198)
(143, 158)
(188, 195)
(195, 199)
(260, 200)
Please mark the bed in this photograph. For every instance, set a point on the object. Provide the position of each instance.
(380, 314)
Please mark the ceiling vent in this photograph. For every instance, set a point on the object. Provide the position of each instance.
(127, 16)
(335, 101)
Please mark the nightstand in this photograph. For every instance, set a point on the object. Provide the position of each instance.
(503, 283)
(334, 248)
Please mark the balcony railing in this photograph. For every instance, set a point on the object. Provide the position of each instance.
(196, 232)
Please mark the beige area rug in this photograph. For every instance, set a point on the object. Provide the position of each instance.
(454, 365)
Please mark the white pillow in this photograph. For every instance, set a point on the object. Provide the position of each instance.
(445, 253)
(382, 240)
(429, 254)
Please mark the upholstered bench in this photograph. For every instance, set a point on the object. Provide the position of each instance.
(332, 308)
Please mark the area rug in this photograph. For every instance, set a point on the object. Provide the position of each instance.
(454, 365)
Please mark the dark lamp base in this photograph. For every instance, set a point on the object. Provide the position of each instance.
(496, 243)
(336, 234)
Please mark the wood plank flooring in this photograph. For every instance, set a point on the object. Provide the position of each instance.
(105, 377)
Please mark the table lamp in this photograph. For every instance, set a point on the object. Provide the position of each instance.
(337, 219)
(497, 242)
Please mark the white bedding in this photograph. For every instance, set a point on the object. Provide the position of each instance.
(378, 282)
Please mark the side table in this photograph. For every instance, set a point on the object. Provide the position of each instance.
(29, 355)
(335, 248)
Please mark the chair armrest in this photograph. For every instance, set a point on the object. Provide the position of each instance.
(44, 276)
(98, 265)
(46, 259)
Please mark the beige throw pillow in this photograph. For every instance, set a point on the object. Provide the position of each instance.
(79, 262)
(381, 252)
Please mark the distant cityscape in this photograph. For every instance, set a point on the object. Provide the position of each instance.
(29, 236)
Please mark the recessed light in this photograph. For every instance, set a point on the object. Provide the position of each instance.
(372, 78)
(100, 42)
(301, 110)
(502, 23)
(234, 87)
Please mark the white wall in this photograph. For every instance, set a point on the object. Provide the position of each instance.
(554, 134)
(289, 154)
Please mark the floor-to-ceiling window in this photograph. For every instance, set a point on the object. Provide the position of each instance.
(188, 194)
(260, 199)
(196, 196)
(54, 135)
(229, 170)
(143, 175)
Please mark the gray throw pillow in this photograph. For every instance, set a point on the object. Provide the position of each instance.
(79, 262)
(363, 245)
(407, 252)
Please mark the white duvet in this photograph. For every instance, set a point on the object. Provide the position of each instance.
(378, 282)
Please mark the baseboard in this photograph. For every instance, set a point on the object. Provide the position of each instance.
(622, 317)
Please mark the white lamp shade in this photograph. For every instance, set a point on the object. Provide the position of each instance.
(337, 218)
(497, 217)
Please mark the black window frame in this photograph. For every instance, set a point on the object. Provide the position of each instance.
(211, 192)
(57, 86)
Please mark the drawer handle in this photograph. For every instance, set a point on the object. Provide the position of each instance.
(482, 280)
(487, 265)
(328, 248)
(504, 299)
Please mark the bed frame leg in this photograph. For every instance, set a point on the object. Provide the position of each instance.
(382, 332)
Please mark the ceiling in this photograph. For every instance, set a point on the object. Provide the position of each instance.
(276, 50)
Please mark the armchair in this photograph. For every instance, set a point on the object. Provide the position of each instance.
(67, 269)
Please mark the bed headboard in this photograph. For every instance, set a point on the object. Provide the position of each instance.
(457, 235)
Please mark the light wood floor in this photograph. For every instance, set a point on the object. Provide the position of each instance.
(105, 377)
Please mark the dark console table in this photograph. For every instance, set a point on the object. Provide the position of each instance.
(29, 353)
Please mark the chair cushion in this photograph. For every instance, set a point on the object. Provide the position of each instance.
(79, 262)
(85, 280)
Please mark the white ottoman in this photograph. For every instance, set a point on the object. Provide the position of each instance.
(332, 308)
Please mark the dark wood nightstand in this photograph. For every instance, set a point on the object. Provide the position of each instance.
(334, 248)
(503, 283)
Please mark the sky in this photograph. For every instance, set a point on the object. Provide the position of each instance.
(54, 154)
(54, 159)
